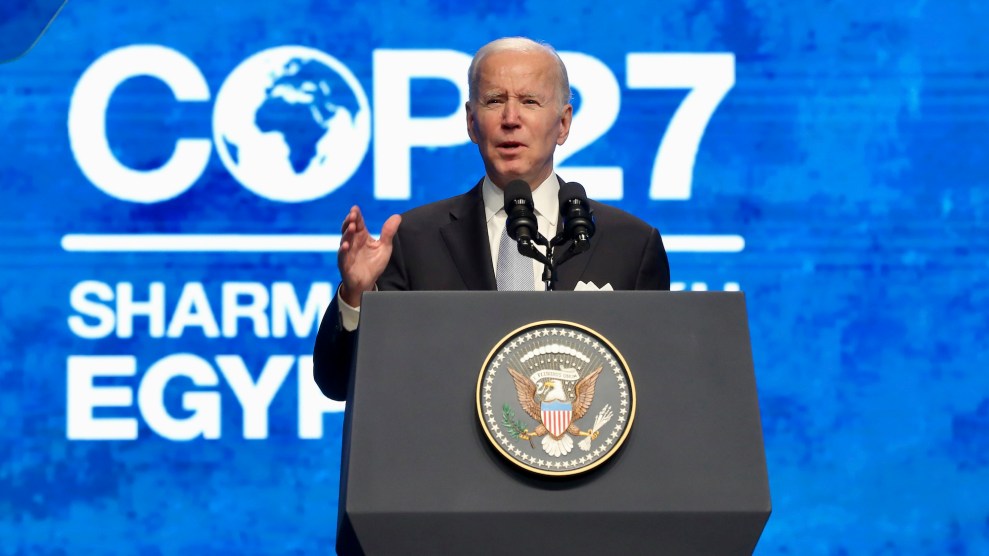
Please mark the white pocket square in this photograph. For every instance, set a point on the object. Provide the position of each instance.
(590, 287)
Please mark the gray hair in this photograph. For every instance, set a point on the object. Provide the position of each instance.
(518, 44)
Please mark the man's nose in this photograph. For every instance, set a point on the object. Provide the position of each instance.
(510, 114)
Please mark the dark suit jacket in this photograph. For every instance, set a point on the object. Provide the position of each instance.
(444, 246)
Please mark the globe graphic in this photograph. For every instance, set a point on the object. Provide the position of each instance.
(291, 124)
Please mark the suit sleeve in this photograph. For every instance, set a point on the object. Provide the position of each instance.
(654, 268)
(333, 354)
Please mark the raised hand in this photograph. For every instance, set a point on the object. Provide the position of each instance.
(361, 258)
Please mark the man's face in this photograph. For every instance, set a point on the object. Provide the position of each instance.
(518, 119)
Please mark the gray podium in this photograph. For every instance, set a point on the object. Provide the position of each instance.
(419, 476)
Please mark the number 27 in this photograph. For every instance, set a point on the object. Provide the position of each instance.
(708, 76)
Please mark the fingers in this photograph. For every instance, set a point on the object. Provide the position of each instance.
(353, 223)
(345, 225)
(351, 218)
(353, 230)
(355, 211)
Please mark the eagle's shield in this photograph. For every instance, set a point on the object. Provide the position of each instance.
(556, 417)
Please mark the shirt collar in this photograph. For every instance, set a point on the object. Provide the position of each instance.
(545, 198)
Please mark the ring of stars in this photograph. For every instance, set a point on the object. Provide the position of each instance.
(532, 455)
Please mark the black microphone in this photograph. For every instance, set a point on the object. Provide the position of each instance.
(521, 223)
(578, 218)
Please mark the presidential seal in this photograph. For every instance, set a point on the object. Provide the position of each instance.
(555, 398)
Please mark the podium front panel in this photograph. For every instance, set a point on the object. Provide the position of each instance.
(420, 474)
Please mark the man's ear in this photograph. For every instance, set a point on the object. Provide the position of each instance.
(470, 122)
(565, 119)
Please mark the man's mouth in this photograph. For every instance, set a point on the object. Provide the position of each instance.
(510, 145)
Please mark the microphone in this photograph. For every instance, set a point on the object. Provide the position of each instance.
(578, 218)
(521, 223)
(523, 228)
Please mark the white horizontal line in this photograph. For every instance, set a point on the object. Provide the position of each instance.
(293, 243)
(704, 244)
(201, 243)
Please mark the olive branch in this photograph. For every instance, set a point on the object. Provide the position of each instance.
(513, 426)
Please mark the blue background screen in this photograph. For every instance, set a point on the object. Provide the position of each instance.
(173, 177)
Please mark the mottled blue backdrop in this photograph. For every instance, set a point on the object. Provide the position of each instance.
(849, 155)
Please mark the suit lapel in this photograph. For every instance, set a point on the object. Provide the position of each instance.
(466, 236)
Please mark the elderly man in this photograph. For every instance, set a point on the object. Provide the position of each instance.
(518, 112)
